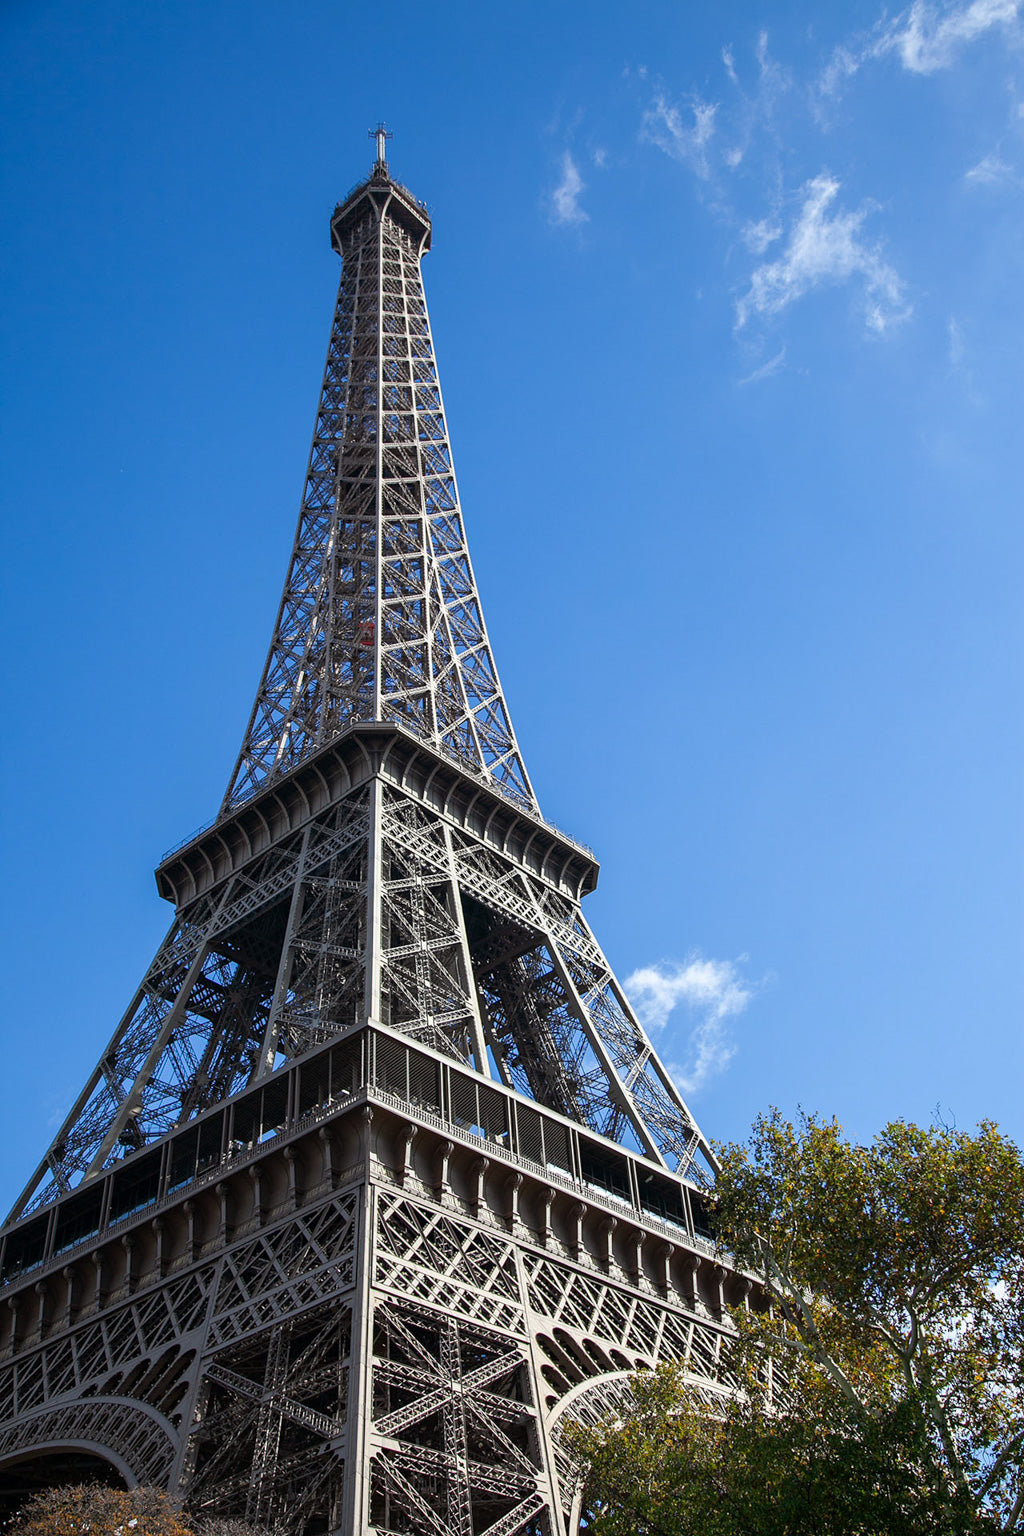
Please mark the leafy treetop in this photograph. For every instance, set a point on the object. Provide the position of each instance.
(881, 1374)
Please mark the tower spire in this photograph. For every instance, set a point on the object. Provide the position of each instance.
(380, 133)
(380, 618)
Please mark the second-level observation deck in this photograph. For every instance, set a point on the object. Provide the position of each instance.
(436, 779)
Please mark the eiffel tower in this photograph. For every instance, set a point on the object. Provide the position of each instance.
(379, 1180)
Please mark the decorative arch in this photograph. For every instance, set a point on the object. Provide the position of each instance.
(136, 1440)
(588, 1402)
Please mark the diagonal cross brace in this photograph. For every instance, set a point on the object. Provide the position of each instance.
(299, 1413)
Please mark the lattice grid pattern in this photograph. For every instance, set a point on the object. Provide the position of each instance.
(306, 1342)
(380, 618)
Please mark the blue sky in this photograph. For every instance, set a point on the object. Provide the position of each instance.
(727, 304)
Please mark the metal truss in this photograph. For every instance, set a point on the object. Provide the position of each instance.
(270, 964)
(380, 618)
(560, 1027)
(379, 909)
(265, 1334)
(379, 1177)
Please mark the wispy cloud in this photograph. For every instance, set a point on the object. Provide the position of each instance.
(565, 199)
(759, 235)
(766, 369)
(773, 77)
(992, 171)
(928, 37)
(664, 125)
(55, 1108)
(712, 137)
(738, 139)
(825, 246)
(710, 992)
(959, 364)
(925, 38)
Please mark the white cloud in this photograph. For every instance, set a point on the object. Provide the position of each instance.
(842, 66)
(925, 38)
(757, 237)
(766, 369)
(928, 37)
(773, 77)
(991, 172)
(825, 246)
(712, 135)
(711, 991)
(566, 196)
(663, 125)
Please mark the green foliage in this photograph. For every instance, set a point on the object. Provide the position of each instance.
(883, 1388)
(675, 1468)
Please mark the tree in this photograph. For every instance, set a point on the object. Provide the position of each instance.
(674, 1467)
(86, 1508)
(880, 1377)
(90, 1510)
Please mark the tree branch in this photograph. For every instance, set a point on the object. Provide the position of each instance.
(1012, 1520)
(995, 1471)
(938, 1417)
(791, 1296)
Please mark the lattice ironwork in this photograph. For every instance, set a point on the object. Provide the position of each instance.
(357, 1203)
(271, 964)
(269, 1409)
(380, 618)
(452, 1407)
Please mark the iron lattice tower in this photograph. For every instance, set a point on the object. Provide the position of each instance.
(379, 1176)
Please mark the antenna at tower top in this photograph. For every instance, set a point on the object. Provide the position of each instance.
(380, 133)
